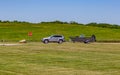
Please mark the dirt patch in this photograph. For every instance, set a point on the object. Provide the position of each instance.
(9, 44)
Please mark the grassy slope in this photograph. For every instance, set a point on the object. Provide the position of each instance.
(18, 31)
(64, 59)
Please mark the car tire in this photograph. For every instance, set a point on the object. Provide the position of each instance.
(60, 41)
(46, 41)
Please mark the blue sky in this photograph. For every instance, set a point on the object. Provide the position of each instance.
(81, 11)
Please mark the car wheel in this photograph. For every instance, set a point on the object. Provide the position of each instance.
(60, 41)
(46, 41)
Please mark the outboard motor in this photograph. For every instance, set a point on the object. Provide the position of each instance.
(93, 38)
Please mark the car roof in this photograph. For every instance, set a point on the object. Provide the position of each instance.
(57, 35)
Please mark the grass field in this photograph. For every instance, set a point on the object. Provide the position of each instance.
(60, 59)
(19, 31)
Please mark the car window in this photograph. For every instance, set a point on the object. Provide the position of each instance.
(57, 36)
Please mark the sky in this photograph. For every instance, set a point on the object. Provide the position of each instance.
(81, 11)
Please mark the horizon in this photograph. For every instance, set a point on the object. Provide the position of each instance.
(81, 11)
(1, 21)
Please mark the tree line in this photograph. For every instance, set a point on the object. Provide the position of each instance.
(102, 25)
(15, 21)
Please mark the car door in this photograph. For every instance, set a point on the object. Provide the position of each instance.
(53, 39)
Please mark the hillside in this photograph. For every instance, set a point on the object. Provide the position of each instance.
(16, 31)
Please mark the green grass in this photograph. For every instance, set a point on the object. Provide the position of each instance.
(60, 59)
(18, 31)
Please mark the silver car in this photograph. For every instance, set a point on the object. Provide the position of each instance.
(54, 38)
